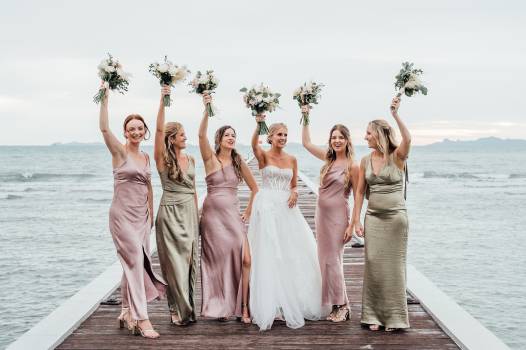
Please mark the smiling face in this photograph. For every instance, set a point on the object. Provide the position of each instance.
(278, 136)
(135, 131)
(179, 139)
(338, 141)
(228, 140)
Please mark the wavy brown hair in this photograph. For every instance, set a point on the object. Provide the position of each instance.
(330, 157)
(236, 158)
(385, 137)
(170, 158)
(140, 118)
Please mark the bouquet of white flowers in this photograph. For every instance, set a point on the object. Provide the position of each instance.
(408, 81)
(205, 84)
(168, 74)
(113, 78)
(305, 95)
(260, 100)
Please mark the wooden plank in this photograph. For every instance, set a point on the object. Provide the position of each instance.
(100, 329)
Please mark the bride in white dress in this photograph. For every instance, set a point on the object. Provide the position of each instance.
(285, 280)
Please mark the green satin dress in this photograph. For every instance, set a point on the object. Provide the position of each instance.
(177, 231)
(386, 228)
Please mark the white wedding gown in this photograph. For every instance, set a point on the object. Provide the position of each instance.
(285, 279)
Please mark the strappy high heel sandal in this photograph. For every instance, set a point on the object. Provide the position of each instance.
(343, 314)
(374, 327)
(177, 321)
(148, 333)
(124, 318)
(333, 313)
(245, 320)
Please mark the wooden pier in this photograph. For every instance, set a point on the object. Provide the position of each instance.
(100, 329)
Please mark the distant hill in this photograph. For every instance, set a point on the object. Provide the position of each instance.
(483, 143)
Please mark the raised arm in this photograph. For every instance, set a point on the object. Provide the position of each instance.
(402, 151)
(158, 149)
(204, 144)
(316, 151)
(114, 146)
(251, 183)
(358, 200)
(293, 198)
(256, 148)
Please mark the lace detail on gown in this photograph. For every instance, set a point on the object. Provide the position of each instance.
(275, 178)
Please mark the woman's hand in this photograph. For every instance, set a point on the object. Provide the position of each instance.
(305, 109)
(347, 236)
(207, 100)
(395, 104)
(293, 199)
(246, 215)
(358, 229)
(166, 90)
(260, 118)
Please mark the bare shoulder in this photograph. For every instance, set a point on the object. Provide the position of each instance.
(364, 159)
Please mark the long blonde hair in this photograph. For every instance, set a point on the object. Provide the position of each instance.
(385, 137)
(273, 128)
(330, 157)
(170, 158)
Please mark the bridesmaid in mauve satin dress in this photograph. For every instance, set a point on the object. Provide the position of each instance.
(225, 258)
(338, 177)
(384, 301)
(176, 226)
(131, 215)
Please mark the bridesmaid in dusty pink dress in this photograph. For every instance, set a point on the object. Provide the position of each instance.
(225, 256)
(131, 215)
(338, 177)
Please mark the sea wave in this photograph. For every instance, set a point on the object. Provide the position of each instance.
(517, 176)
(35, 177)
(12, 196)
(434, 174)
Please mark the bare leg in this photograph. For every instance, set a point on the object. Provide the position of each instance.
(245, 281)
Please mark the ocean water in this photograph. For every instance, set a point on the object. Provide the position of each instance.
(466, 208)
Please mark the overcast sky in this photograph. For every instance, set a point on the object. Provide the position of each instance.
(473, 54)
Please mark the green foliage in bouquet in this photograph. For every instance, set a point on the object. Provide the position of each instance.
(408, 80)
(260, 100)
(112, 76)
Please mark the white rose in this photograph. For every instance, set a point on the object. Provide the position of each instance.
(297, 92)
(413, 82)
(163, 68)
(172, 70)
(109, 69)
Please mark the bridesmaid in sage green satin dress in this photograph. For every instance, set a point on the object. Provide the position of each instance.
(382, 177)
(176, 225)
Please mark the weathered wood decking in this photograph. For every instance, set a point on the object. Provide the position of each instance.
(100, 330)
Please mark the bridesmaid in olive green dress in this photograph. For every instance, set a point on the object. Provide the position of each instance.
(386, 225)
(176, 225)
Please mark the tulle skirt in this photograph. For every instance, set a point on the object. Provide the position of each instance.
(285, 278)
